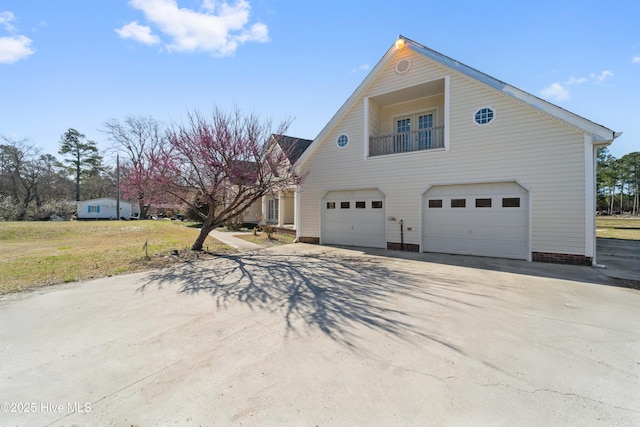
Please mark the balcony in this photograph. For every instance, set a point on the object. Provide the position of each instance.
(395, 143)
(410, 119)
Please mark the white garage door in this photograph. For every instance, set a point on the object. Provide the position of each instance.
(476, 219)
(354, 218)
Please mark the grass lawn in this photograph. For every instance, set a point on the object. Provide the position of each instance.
(36, 254)
(611, 227)
(263, 240)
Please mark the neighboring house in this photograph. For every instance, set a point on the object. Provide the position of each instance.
(105, 208)
(279, 209)
(431, 155)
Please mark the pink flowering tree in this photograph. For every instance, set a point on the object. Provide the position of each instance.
(140, 139)
(219, 165)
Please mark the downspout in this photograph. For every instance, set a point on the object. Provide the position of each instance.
(401, 235)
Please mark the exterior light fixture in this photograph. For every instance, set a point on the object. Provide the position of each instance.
(400, 43)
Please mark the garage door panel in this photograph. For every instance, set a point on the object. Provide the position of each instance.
(487, 231)
(354, 226)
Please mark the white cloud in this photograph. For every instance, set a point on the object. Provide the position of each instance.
(602, 76)
(15, 47)
(218, 28)
(636, 59)
(576, 80)
(209, 5)
(364, 67)
(5, 20)
(555, 92)
(559, 92)
(139, 33)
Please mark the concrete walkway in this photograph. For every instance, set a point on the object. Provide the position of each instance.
(229, 238)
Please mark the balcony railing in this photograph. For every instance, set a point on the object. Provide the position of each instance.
(418, 140)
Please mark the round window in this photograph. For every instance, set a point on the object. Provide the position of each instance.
(484, 116)
(343, 140)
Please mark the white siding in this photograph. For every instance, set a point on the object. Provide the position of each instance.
(522, 144)
(106, 207)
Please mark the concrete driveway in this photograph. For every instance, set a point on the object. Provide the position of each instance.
(310, 335)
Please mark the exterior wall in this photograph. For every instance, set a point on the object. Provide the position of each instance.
(435, 103)
(107, 209)
(252, 214)
(523, 144)
(287, 214)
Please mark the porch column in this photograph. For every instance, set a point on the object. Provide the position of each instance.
(296, 220)
(281, 211)
(264, 212)
(295, 208)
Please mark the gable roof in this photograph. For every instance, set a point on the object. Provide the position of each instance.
(244, 171)
(291, 146)
(600, 134)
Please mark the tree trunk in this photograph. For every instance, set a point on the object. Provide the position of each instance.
(143, 208)
(78, 184)
(636, 199)
(612, 198)
(207, 227)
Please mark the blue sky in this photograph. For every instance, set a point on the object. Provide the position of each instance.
(79, 63)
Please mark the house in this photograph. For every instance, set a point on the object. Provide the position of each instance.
(105, 208)
(279, 209)
(431, 155)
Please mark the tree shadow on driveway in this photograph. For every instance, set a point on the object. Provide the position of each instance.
(336, 294)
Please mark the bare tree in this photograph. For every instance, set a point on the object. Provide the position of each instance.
(29, 179)
(220, 165)
(18, 172)
(140, 138)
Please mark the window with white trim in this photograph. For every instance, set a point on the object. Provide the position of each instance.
(484, 116)
(416, 132)
(342, 140)
(272, 210)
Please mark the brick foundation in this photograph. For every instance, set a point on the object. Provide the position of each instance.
(409, 247)
(284, 230)
(561, 258)
(312, 240)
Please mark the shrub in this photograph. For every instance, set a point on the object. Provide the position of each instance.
(9, 208)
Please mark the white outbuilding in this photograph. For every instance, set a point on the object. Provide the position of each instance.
(106, 208)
